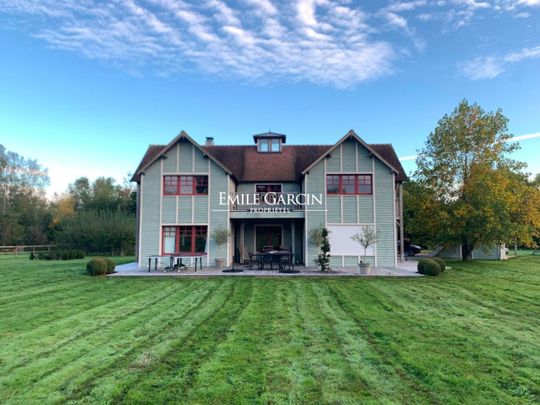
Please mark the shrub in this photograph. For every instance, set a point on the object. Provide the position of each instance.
(440, 262)
(428, 267)
(110, 265)
(33, 256)
(97, 267)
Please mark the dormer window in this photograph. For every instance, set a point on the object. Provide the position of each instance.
(269, 145)
(269, 142)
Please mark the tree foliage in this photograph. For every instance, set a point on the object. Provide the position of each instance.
(469, 192)
(366, 238)
(24, 214)
(323, 260)
(90, 213)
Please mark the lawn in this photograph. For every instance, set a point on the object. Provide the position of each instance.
(469, 336)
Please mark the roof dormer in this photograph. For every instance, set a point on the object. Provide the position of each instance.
(269, 142)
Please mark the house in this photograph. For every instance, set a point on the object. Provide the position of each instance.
(493, 252)
(268, 194)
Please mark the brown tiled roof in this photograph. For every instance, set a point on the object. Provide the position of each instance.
(246, 164)
(387, 152)
(151, 153)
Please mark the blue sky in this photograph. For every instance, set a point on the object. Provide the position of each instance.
(86, 86)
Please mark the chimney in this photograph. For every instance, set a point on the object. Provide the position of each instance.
(209, 141)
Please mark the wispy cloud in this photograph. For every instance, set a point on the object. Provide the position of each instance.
(330, 42)
(489, 67)
(319, 41)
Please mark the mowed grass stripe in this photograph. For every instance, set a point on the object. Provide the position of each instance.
(243, 347)
(367, 363)
(171, 377)
(57, 335)
(42, 368)
(403, 346)
(86, 359)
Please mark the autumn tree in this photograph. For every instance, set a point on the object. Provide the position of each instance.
(475, 195)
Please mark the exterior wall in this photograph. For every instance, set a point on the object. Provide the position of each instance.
(377, 209)
(495, 252)
(451, 252)
(386, 247)
(158, 210)
(314, 182)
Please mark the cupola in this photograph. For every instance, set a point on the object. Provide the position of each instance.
(269, 142)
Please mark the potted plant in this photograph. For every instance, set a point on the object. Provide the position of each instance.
(366, 238)
(220, 236)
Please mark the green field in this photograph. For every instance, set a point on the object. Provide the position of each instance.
(469, 336)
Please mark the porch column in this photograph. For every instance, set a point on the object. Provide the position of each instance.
(242, 244)
(293, 228)
(401, 232)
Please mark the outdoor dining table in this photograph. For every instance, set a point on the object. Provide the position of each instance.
(175, 261)
(272, 257)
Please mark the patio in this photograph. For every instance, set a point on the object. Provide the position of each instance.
(405, 269)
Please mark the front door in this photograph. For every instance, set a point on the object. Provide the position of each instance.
(268, 236)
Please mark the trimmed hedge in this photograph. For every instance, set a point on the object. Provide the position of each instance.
(110, 264)
(440, 262)
(428, 267)
(67, 254)
(97, 267)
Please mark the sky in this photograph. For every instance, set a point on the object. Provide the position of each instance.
(85, 87)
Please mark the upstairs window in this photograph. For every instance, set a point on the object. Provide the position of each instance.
(349, 184)
(269, 145)
(185, 185)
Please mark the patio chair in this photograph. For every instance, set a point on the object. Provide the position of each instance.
(287, 261)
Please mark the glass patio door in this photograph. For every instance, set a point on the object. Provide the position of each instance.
(268, 236)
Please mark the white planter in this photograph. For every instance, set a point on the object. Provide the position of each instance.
(365, 268)
(220, 263)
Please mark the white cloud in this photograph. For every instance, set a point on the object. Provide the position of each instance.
(489, 67)
(331, 42)
(321, 41)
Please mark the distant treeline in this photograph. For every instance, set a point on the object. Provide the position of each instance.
(87, 214)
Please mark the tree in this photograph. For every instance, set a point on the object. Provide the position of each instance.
(366, 238)
(475, 195)
(536, 180)
(324, 257)
(24, 210)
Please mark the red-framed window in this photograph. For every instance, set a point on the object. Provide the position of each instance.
(185, 185)
(365, 184)
(349, 184)
(184, 240)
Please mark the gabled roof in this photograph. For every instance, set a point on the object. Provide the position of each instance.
(348, 135)
(244, 163)
(154, 152)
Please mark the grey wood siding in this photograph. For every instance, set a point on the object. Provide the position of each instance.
(150, 212)
(385, 220)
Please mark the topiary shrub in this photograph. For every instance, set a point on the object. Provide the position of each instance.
(110, 265)
(428, 267)
(97, 267)
(440, 262)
